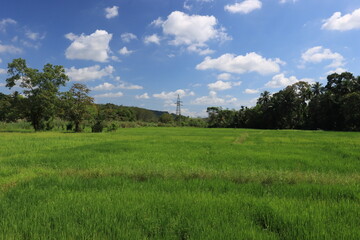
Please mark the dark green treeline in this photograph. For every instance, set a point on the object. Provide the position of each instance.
(335, 106)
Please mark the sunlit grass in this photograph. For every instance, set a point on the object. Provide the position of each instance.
(180, 183)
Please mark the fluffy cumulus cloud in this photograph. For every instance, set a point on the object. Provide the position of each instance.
(125, 51)
(152, 39)
(319, 54)
(5, 22)
(127, 37)
(251, 91)
(213, 99)
(343, 23)
(93, 47)
(221, 85)
(89, 73)
(142, 96)
(111, 12)
(109, 95)
(173, 95)
(104, 87)
(193, 31)
(244, 7)
(251, 62)
(3, 71)
(280, 81)
(9, 49)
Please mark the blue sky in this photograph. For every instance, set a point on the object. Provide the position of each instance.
(211, 52)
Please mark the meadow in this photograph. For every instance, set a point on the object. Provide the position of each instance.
(180, 183)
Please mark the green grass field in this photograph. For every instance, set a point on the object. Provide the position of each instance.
(180, 183)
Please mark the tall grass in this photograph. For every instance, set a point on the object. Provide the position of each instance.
(180, 183)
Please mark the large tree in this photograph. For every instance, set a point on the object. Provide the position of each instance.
(76, 103)
(40, 89)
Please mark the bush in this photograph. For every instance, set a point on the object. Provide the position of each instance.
(97, 127)
(112, 127)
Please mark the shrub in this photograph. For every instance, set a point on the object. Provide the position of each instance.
(98, 126)
(112, 127)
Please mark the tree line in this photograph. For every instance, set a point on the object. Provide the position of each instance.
(335, 106)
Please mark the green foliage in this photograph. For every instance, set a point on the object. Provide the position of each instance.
(77, 105)
(166, 118)
(112, 127)
(40, 89)
(299, 106)
(98, 126)
(11, 107)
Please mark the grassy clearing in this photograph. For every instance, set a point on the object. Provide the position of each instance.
(180, 183)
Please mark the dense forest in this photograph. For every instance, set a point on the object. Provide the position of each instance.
(335, 106)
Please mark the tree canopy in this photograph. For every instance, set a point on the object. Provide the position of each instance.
(40, 89)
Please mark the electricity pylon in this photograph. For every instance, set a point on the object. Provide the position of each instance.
(178, 109)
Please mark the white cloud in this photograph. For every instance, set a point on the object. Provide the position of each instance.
(279, 81)
(127, 37)
(251, 62)
(125, 51)
(111, 12)
(193, 31)
(251, 91)
(89, 73)
(187, 6)
(173, 95)
(337, 70)
(5, 22)
(197, 49)
(104, 87)
(3, 71)
(213, 99)
(129, 86)
(157, 22)
(93, 47)
(123, 85)
(319, 54)
(343, 23)
(34, 35)
(9, 49)
(152, 39)
(224, 76)
(169, 103)
(220, 85)
(109, 95)
(0, 60)
(244, 7)
(142, 96)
